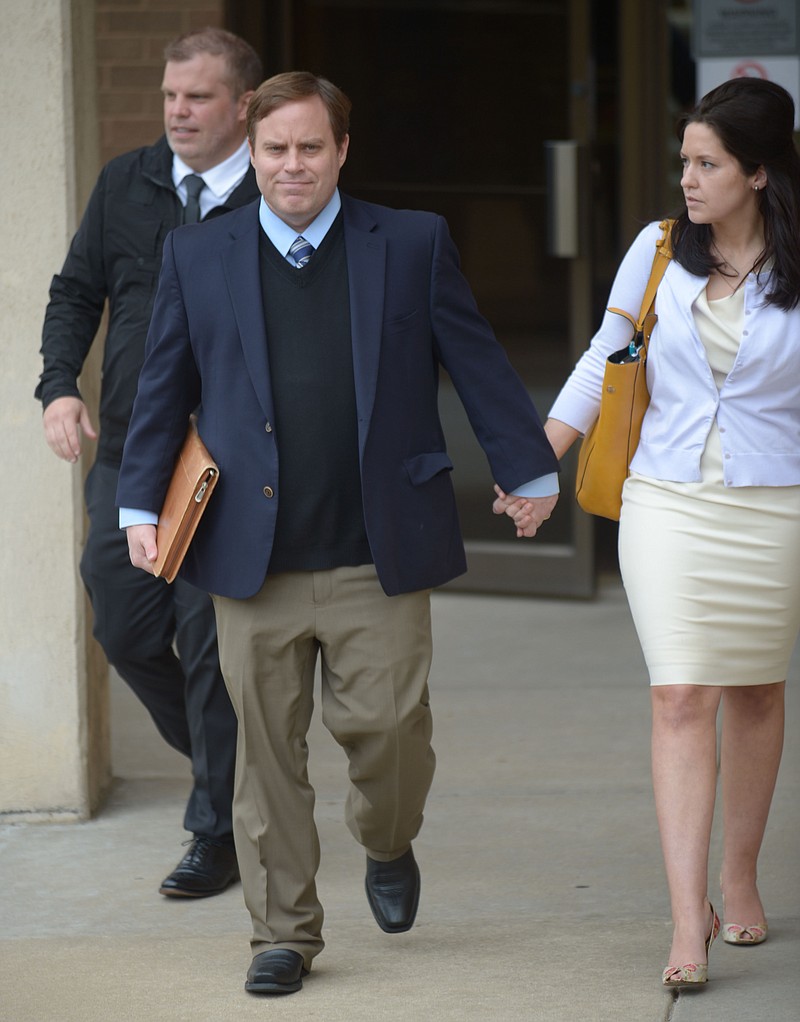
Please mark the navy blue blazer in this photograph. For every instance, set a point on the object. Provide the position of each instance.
(411, 311)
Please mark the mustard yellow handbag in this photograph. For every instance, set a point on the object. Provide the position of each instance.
(606, 451)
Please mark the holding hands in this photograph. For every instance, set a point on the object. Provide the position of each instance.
(527, 513)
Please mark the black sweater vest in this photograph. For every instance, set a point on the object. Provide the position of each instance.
(320, 523)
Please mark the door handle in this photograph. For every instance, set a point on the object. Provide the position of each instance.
(561, 163)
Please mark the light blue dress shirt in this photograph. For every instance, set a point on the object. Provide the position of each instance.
(283, 236)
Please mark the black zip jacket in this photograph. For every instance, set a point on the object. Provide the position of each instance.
(115, 255)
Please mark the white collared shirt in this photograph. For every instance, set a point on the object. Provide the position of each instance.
(219, 181)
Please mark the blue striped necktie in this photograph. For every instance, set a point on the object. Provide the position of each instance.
(301, 251)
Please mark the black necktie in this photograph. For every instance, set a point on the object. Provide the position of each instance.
(194, 184)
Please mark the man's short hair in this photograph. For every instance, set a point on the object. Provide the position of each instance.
(295, 85)
(244, 69)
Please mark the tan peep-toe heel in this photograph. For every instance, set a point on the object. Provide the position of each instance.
(733, 933)
(693, 973)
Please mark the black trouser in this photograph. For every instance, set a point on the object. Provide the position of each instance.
(136, 619)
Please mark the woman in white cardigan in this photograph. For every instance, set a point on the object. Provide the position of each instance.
(709, 536)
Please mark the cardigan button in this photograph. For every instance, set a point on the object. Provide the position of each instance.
(268, 491)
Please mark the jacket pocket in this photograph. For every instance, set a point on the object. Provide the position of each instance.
(399, 323)
(425, 466)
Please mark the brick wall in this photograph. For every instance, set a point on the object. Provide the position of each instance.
(131, 36)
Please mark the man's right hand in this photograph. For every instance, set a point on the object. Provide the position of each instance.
(142, 547)
(64, 419)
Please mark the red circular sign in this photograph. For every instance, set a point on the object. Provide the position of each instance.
(749, 68)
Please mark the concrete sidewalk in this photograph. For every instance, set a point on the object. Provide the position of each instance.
(543, 890)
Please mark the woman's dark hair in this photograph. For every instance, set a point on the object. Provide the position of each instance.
(754, 121)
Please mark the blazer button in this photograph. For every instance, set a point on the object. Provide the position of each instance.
(268, 491)
(268, 427)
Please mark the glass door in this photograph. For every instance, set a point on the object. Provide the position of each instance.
(454, 107)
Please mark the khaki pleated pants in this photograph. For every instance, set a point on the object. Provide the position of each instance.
(375, 659)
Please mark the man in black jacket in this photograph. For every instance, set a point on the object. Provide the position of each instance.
(199, 169)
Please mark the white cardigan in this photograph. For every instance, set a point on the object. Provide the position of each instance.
(757, 408)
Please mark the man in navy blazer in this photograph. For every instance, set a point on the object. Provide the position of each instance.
(307, 331)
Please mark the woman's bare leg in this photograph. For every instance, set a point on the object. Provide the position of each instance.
(752, 742)
(684, 741)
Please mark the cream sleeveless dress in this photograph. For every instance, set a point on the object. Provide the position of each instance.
(712, 573)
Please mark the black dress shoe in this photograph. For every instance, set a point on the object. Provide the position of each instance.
(393, 892)
(207, 868)
(276, 972)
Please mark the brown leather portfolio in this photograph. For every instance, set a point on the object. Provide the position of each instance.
(193, 481)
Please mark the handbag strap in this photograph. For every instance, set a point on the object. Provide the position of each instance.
(660, 262)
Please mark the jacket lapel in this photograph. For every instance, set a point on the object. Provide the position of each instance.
(366, 262)
(243, 276)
